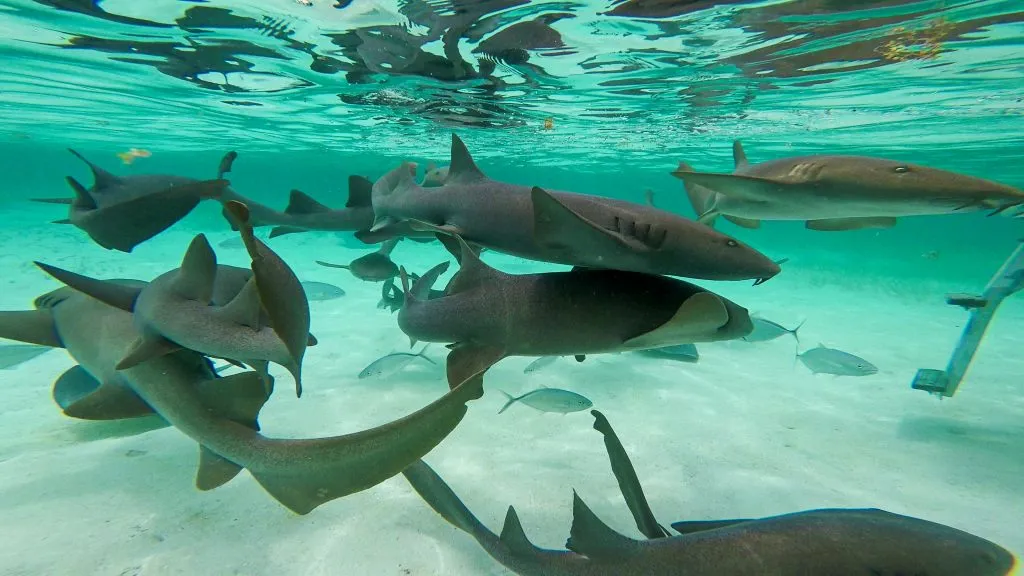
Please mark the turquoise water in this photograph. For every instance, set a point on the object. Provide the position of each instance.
(310, 93)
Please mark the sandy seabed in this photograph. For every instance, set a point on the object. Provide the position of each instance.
(746, 432)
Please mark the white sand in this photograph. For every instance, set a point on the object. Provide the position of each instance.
(743, 433)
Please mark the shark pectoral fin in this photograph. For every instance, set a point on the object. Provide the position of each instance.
(245, 307)
(708, 218)
(629, 484)
(82, 396)
(194, 279)
(467, 361)
(690, 527)
(513, 535)
(749, 223)
(111, 293)
(30, 327)
(749, 188)
(841, 224)
(383, 223)
(697, 319)
(147, 348)
(557, 227)
(312, 341)
(214, 470)
(282, 230)
(593, 538)
(239, 398)
(440, 229)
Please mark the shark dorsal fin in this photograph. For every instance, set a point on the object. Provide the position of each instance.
(472, 270)
(360, 192)
(301, 203)
(592, 537)
(462, 168)
(103, 179)
(198, 270)
(82, 198)
(245, 307)
(739, 157)
(513, 536)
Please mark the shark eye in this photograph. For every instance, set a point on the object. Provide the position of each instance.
(732, 243)
(901, 169)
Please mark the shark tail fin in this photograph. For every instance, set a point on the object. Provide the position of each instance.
(439, 496)
(701, 199)
(510, 401)
(238, 398)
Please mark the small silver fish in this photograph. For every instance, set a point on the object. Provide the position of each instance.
(822, 360)
(392, 363)
(765, 330)
(680, 352)
(14, 354)
(235, 242)
(549, 400)
(539, 363)
(320, 291)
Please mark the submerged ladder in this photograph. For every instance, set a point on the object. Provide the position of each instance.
(1008, 280)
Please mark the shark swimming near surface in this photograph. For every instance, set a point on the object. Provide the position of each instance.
(561, 227)
(840, 542)
(121, 212)
(486, 315)
(833, 193)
